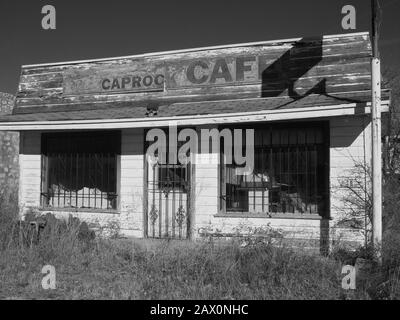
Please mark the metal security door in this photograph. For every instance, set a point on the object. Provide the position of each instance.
(168, 201)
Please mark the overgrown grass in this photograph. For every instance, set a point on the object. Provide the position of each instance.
(100, 268)
(168, 270)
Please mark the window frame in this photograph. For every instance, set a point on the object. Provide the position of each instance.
(324, 214)
(113, 135)
(184, 183)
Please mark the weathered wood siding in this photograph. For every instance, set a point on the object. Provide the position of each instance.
(350, 153)
(282, 68)
(325, 66)
(30, 167)
(30, 184)
(129, 218)
(349, 146)
(131, 182)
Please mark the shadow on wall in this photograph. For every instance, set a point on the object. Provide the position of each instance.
(290, 75)
(282, 75)
(287, 75)
(9, 149)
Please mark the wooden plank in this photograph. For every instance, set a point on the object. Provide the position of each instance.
(361, 66)
(269, 115)
(346, 64)
(280, 68)
(220, 92)
(246, 69)
(59, 67)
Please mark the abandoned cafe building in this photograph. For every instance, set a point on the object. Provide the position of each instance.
(83, 128)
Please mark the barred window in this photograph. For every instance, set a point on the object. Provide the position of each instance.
(79, 170)
(167, 176)
(290, 172)
(172, 176)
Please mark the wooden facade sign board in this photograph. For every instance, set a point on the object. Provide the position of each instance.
(135, 77)
(218, 71)
(200, 71)
(284, 68)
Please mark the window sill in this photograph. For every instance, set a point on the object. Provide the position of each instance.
(90, 210)
(270, 216)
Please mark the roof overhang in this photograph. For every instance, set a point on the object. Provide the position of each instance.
(348, 109)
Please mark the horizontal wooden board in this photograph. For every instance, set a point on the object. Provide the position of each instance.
(323, 65)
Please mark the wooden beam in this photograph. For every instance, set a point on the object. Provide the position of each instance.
(266, 116)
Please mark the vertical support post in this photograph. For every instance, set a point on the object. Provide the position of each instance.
(376, 158)
(376, 136)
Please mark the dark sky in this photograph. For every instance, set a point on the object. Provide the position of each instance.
(98, 29)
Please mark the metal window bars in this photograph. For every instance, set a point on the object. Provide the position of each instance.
(288, 176)
(81, 181)
(79, 171)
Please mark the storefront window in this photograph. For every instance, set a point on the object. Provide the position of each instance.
(289, 176)
(79, 170)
